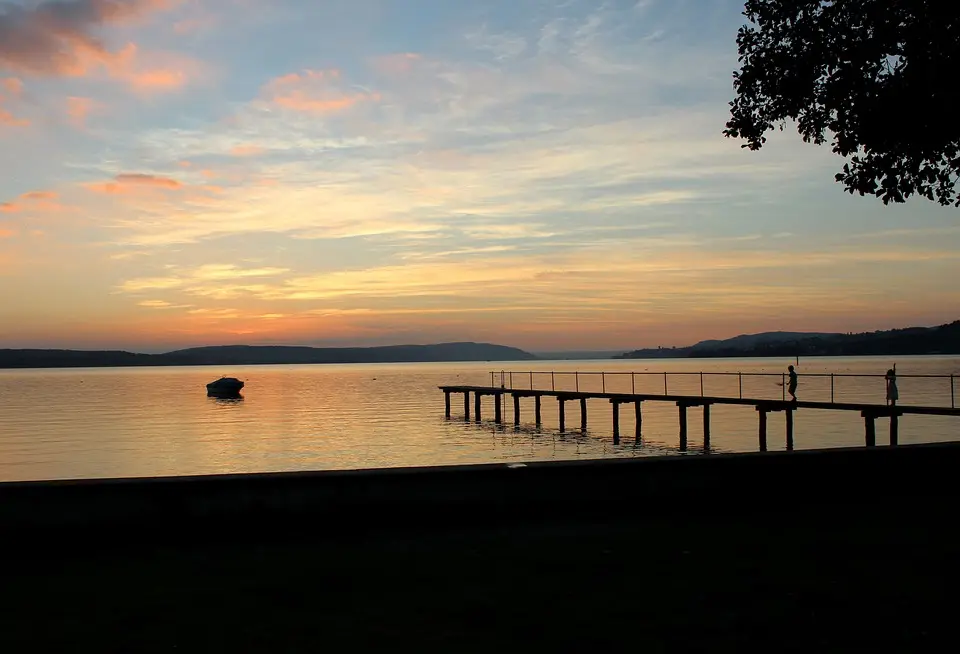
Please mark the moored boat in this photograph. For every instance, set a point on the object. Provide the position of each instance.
(225, 386)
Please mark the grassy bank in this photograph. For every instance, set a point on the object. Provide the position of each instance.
(837, 551)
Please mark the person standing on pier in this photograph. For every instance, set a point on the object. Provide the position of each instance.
(792, 384)
(893, 394)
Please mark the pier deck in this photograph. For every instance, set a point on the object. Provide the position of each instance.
(869, 412)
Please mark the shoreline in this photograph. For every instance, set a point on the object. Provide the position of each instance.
(478, 494)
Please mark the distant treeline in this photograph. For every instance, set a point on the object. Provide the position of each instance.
(236, 355)
(944, 339)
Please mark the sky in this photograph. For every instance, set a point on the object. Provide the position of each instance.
(547, 175)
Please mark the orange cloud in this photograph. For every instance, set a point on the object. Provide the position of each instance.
(40, 195)
(42, 198)
(131, 182)
(12, 85)
(13, 88)
(6, 233)
(158, 79)
(314, 91)
(78, 109)
(8, 119)
(57, 38)
(245, 150)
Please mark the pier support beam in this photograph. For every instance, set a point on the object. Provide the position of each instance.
(560, 401)
(536, 409)
(639, 420)
(497, 410)
(788, 414)
(476, 406)
(894, 428)
(706, 427)
(616, 423)
(870, 428)
(516, 409)
(446, 402)
(683, 426)
(762, 411)
(583, 414)
(466, 405)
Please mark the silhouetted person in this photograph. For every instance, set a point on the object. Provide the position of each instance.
(792, 384)
(893, 394)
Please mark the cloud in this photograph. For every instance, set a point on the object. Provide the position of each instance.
(11, 88)
(203, 280)
(154, 304)
(78, 109)
(40, 195)
(134, 182)
(314, 91)
(246, 150)
(6, 232)
(57, 38)
(399, 63)
(32, 200)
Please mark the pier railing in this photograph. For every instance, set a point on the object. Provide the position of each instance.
(932, 390)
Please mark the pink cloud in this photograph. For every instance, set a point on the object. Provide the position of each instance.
(11, 88)
(78, 109)
(12, 85)
(40, 195)
(41, 199)
(246, 150)
(56, 38)
(133, 182)
(314, 91)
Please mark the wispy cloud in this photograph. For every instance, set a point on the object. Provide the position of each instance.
(526, 171)
(315, 91)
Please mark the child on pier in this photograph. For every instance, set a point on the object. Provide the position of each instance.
(893, 394)
(792, 383)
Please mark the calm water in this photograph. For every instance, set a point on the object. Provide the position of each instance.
(116, 422)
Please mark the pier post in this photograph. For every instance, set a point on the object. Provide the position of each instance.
(683, 426)
(466, 405)
(762, 411)
(894, 428)
(788, 414)
(616, 423)
(536, 409)
(583, 414)
(476, 406)
(639, 420)
(706, 426)
(497, 416)
(516, 409)
(870, 428)
(562, 422)
(446, 402)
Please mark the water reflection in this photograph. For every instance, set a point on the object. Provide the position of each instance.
(363, 416)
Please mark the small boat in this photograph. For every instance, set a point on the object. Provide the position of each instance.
(225, 387)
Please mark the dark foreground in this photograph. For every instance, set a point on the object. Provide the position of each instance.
(837, 571)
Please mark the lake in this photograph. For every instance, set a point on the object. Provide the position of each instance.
(130, 422)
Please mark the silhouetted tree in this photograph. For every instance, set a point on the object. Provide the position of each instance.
(879, 75)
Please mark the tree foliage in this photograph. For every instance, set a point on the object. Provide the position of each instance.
(880, 76)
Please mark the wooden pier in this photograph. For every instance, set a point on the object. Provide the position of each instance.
(869, 412)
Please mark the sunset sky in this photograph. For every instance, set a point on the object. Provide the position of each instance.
(548, 175)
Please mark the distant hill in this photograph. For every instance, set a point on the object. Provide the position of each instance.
(577, 355)
(944, 339)
(236, 355)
